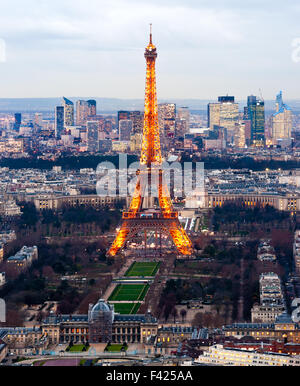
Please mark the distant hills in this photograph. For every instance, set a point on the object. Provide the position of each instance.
(112, 105)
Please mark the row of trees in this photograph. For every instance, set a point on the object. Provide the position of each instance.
(228, 162)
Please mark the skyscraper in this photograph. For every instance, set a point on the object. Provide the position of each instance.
(281, 120)
(256, 114)
(82, 112)
(18, 121)
(184, 116)
(240, 135)
(223, 116)
(125, 129)
(167, 121)
(59, 121)
(38, 120)
(85, 110)
(92, 108)
(68, 112)
(92, 136)
(137, 118)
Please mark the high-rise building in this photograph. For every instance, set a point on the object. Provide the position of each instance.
(240, 135)
(167, 120)
(68, 112)
(256, 114)
(184, 117)
(82, 112)
(18, 121)
(92, 136)
(125, 129)
(137, 118)
(85, 110)
(213, 114)
(59, 121)
(282, 120)
(38, 120)
(222, 117)
(92, 107)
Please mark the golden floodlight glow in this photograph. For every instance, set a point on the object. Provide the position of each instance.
(151, 157)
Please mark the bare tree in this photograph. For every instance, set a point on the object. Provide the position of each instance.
(183, 314)
(174, 313)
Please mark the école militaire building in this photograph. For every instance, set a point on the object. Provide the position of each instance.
(100, 325)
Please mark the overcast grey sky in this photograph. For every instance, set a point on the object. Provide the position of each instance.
(95, 47)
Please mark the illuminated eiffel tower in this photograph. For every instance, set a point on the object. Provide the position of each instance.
(140, 218)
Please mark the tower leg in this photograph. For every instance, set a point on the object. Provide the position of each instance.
(119, 240)
(180, 239)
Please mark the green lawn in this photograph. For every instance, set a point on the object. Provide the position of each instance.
(127, 308)
(129, 292)
(143, 269)
(115, 348)
(77, 348)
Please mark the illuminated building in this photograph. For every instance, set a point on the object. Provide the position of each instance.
(12, 145)
(240, 135)
(226, 356)
(24, 258)
(281, 121)
(256, 114)
(68, 112)
(284, 202)
(223, 116)
(283, 329)
(141, 218)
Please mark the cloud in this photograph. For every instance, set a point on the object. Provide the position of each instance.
(116, 25)
(95, 47)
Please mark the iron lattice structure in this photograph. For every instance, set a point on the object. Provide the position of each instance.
(165, 219)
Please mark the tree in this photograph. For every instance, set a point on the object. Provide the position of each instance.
(48, 272)
(183, 314)
(198, 320)
(167, 310)
(174, 313)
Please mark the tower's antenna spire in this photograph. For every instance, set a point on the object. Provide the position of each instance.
(150, 33)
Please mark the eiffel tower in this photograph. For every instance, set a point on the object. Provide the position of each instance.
(140, 217)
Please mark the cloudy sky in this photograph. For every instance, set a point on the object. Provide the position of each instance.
(95, 47)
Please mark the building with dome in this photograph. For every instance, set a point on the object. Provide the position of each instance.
(100, 319)
(100, 325)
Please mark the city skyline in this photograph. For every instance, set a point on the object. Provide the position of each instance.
(74, 49)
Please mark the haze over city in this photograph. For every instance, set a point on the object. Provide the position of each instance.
(206, 48)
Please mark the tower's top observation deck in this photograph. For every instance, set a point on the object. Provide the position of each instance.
(151, 49)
